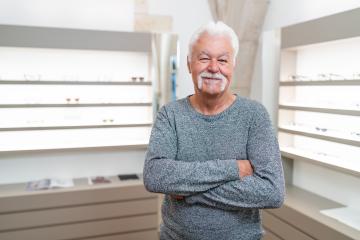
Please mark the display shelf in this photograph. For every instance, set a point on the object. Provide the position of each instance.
(343, 165)
(76, 127)
(320, 109)
(76, 105)
(318, 125)
(74, 138)
(321, 83)
(343, 139)
(19, 189)
(301, 210)
(130, 146)
(41, 82)
(44, 103)
(137, 146)
(65, 38)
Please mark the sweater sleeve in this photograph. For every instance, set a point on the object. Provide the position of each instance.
(164, 174)
(265, 188)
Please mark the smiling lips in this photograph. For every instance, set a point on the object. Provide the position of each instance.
(211, 79)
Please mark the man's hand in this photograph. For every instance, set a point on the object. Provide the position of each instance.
(177, 197)
(245, 168)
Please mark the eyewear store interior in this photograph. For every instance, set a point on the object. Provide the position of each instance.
(79, 95)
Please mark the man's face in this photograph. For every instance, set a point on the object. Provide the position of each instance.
(211, 64)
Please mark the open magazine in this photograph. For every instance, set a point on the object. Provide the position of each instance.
(49, 183)
(98, 180)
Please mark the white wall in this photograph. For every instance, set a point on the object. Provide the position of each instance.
(284, 12)
(115, 15)
(188, 15)
(328, 183)
(83, 14)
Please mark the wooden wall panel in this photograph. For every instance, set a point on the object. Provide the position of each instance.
(82, 230)
(270, 236)
(105, 212)
(144, 235)
(62, 198)
(77, 214)
(283, 229)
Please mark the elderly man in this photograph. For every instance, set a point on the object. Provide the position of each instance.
(213, 154)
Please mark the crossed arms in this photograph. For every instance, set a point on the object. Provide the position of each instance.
(226, 184)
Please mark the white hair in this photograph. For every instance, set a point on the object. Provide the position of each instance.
(218, 28)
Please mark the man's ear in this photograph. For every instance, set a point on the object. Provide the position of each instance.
(188, 64)
(234, 62)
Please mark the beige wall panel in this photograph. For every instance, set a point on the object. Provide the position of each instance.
(76, 214)
(314, 228)
(141, 6)
(83, 230)
(153, 23)
(282, 229)
(145, 235)
(270, 236)
(60, 198)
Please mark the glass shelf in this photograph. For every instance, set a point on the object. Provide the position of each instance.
(74, 94)
(348, 166)
(330, 136)
(43, 82)
(76, 105)
(75, 127)
(67, 118)
(320, 109)
(321, 83)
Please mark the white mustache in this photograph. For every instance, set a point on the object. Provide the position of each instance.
(218, 76)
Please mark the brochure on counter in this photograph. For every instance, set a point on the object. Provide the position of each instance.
(49, 183)
(98, 180)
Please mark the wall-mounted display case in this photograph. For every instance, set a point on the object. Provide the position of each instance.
(319, 104)
(318, 129)
(68, 88)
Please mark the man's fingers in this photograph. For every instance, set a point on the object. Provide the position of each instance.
(245, 168)
(177, 197)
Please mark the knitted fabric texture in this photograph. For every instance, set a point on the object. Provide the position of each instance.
(194, 155)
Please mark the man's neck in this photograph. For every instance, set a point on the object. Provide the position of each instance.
(211, 105)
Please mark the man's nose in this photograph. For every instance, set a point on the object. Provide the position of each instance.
(213, 66)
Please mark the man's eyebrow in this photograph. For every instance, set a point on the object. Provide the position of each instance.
(203, 52)
(225, 54)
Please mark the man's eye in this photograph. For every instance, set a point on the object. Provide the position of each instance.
(204, 59)
(222, 60)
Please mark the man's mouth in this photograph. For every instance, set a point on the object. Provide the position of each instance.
(211, 79)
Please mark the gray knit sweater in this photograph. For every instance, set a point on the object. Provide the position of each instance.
(194, 155)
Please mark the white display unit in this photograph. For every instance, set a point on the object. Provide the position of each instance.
(319, 103)
(318, 129)
(75, 104)
(67, 88)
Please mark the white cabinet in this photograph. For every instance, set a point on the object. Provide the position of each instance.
(319, 101)
(68, 88)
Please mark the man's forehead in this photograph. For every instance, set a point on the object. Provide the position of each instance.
(206, 40)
